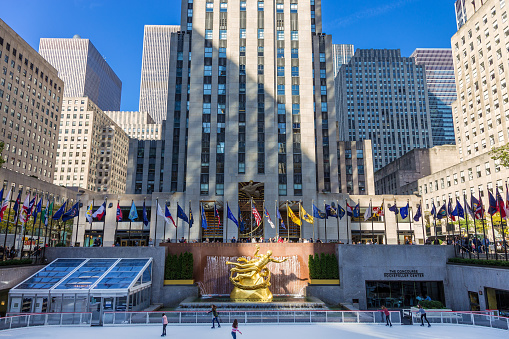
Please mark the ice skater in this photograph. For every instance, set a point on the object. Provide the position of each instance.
(165, 323)
(235, 329)
(387, 316)
(215, 316)
(422, 312)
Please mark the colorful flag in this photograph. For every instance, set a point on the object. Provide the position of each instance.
(133, 213)
(268, 218)
(305, 215)
(119, 213)
(418, 214)
(256, 215)
(181, 214)
(450, 210)
(501, 205)
(31, 207)
(24, 210)
(168, 215)
(442, 212)
(58, 214)
(278, 215)
(469, 210)
(357, 211)
(394, 208)
(349, 210)
(72, 213)
(341, 212)
(330, 211)
(242, 224)
(47, 212)
(203, 218)
(38, 210)
(101, 212)
(145, 216)
(319, 214)
(368, 213)
(433, 210)
(506, 203)
(293, 217)
(216, 215)
(231, 216)
(378, 211)
(5, 204)
(493, 204)
(17, 203)
(476, 205)
(161, 214)
(88, 214)
(191, 218)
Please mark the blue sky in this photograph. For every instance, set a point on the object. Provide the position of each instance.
(116, 27)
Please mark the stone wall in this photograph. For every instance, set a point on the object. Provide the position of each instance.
(10, 276)
(173, 295)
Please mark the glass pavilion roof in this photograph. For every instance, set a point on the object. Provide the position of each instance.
(89, 274)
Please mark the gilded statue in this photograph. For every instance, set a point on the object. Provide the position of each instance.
(252, 277)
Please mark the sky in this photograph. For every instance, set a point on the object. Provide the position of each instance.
(116, 27)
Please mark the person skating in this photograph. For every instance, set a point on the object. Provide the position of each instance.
(387, 316)
(422, 312)
(165, 323)
(235, 329)
(215, 316)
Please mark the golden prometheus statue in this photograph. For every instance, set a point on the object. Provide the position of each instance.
(252, 279)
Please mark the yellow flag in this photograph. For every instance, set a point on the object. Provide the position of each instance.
(305, 216)
(293, 217)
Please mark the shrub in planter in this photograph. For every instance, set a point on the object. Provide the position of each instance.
(431, 304)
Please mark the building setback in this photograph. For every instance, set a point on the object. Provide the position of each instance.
(84, 70)
(441, 91)
(30, 104)
(341, 54)
(137, 125)
(155, 70)
(382, 96)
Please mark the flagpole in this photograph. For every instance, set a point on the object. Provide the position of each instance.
(300, 219)
(251, 219)
(177, 226)
(483, 226)
(155, 234)
(459, 223)
(16, 224)
(130, 224)
(116, 223)
(78, 224)
(312, 203)
(85, 228)
(385, 220)
(502, 224)
(423, 228)
(475, 228)
(60, 228)
(468, 232)
(337, 216)
(189, 230)
(7, 227)
(38, 231)
(23, 231)
(372, 223)
(287, 216)
(104, 220)
(33, 228)
(347, 234)
(453, 226)
(435, 222)
(50, 227)
(165, 223)
(493, 230)
(263, 219)
(278, 222)
(325, 221)
(412, 233)
(397, 222)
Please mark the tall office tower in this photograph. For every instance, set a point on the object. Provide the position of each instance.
(92, 149)
(84, 71)
(137, 125)
(155, 70)
(383, 96)
(341, 54)
(30, 103)
(441, 91)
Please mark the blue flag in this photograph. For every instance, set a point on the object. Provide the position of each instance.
(394, 208)
(442, 212)
(341, 212)
(418, 214)
(318, 214)
(145, 217)
(231, 216)
(242, 224)
(58, 214)
(433, 210)
(278, 215)
(72, 213)
(191, 219)
(493, 204)
(203, 219)
(181, 214)
(458, 210)
(403, 211)
(16, 205)
(133, 213)
(38, 209)
(357, 211)
(330, 211)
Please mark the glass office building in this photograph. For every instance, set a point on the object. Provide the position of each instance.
(85, 285)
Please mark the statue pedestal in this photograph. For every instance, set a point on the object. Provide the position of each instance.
(259, 295)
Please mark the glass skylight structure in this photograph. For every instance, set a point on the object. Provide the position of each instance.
(85, 285)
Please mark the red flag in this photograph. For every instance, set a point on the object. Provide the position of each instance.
(257, 216)
(500, 205)
(216, 214)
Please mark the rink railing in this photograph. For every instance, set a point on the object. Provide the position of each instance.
(45, 319)
(249, 317)
(484, 319)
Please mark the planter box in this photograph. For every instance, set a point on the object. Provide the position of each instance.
(179, 282)
(323, 281)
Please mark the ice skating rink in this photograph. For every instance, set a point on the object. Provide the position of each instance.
(305, 331)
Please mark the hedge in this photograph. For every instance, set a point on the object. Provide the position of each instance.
(179, 267)
(16, 262)
(323, 266)
(480, 262)
(431, 304)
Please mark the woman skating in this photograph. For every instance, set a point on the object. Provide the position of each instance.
(215, 316)
(422, 312)
(387, 316)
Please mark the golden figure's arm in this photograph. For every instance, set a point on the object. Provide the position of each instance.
(257, 250)
(278, 261)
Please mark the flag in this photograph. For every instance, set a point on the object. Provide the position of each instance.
(89, 213)
(38, 209)
(458, 210)
(442, 212)
(6, 202)
(24, 209)
(133, 213)
(477, 207)
(119, 213)
(506, 203)
(168, 215)
(403, 211)
(469, 210)
(369, 213)
(450, 211)
(268, 218)
(493, 204)
(278, 215)
(191, 218)
(242, 224)
(394, 208)
(349, 210)
(341, 212)
(203, 219)
(256, 215)
(231, 216)
(58, 214)
(319, 214)
(145, 216)
(357, 211)
(305, 215)
(433, 210)
(17, 203)
(31, 207)
(101, 212)
(216, 215)
(293, 217)
(72, 213)
(418, 213)
(47, 212)
(378, 211)
(161, 214)
(330, 211)
(181, 214)
(501, 205)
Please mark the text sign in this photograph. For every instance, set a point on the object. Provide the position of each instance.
(403, 274)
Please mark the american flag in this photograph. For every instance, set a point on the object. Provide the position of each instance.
(257, 216)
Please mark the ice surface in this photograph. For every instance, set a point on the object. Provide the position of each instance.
(260, 331)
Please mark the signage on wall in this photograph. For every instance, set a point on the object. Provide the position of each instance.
(403, 274)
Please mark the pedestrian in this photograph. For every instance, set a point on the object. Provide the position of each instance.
(235, 329)
(387, 316)
(422, 312)
(215, 316)
(165, 323)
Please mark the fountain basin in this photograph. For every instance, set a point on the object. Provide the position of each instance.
(277, 303)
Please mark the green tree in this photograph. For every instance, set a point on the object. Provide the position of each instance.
(1, 150)
(501, 154)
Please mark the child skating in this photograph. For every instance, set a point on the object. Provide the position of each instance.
(235, 329)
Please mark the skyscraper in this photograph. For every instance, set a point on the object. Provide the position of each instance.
(155, 70)
(341, 54)
(84, 71)
(382, 96)
(441, 91)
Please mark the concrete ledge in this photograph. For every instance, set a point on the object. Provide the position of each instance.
(173, 295)
(330, 294)
(179, 282)
(323, 281)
